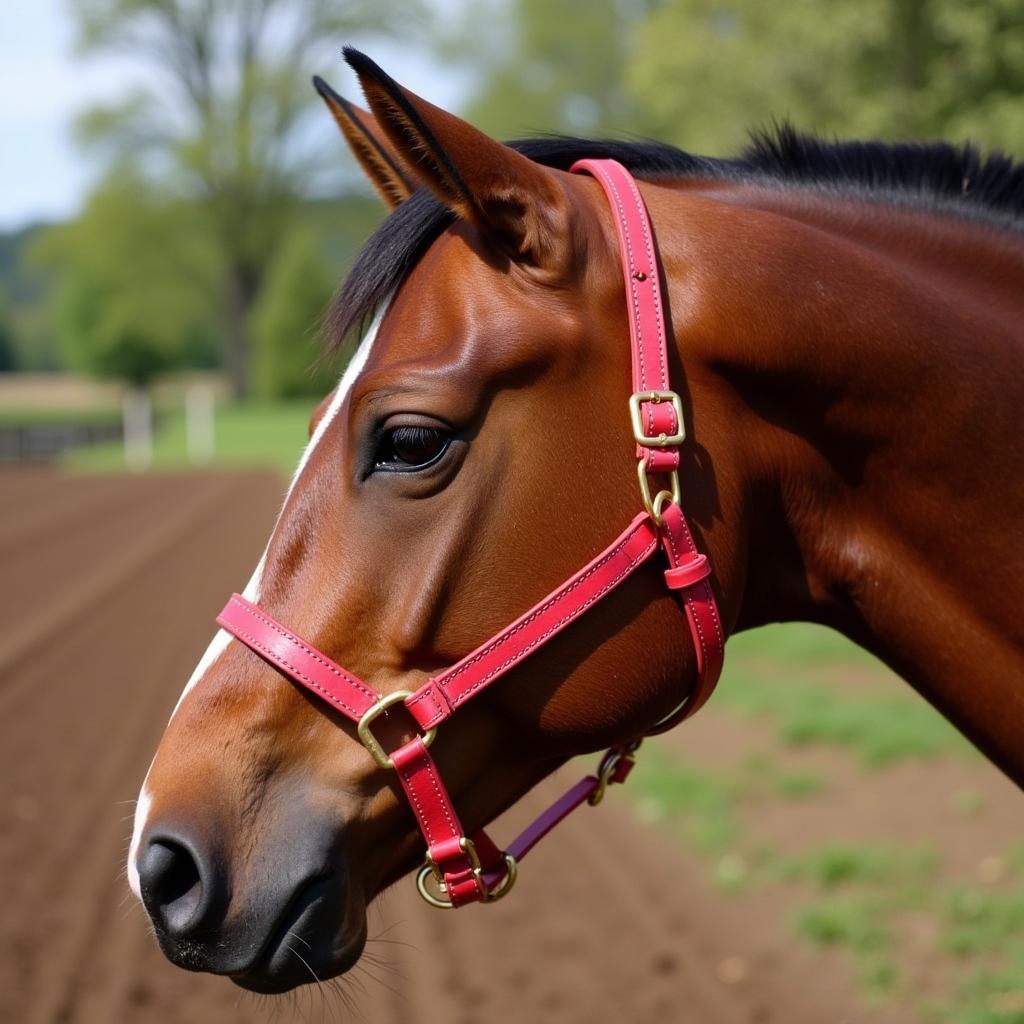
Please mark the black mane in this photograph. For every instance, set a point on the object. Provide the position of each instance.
(936, 175)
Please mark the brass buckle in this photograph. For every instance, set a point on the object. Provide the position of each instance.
(366, 737)
(659, 440)
(468, 847)
(609, 763)
(657, 503)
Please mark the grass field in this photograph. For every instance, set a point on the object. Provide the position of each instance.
(247, 435)
(22, 417)
(931, 914)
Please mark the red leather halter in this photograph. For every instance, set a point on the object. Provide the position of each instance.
(469, 869)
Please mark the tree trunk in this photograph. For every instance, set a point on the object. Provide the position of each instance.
(243, 287)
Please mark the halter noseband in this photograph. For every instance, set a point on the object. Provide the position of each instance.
(472, 869)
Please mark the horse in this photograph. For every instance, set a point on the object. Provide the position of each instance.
(844, 323)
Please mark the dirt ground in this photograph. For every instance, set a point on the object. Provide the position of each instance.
(110, 588)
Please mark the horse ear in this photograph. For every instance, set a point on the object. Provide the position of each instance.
(371, 146)
(519, 204)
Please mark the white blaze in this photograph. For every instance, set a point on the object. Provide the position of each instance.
(222, 639)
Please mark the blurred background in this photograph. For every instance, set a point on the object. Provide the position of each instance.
(176, 208)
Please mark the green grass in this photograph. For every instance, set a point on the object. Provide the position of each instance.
(791, 674)
(860, 924)
(799, 785)
(989, 995)
(250, 435)
(31, 417)
(702, 803)
(835, 865)
(980, 920)
(856, 922)
(814, 688)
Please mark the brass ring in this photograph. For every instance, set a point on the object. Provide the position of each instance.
(504, 887)
(421, 888)
(500, 891)
(656, 504)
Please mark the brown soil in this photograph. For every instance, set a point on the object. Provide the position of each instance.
(109, 591)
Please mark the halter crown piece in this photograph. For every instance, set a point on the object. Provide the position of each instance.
(462, 869)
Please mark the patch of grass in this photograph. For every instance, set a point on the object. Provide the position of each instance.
(835, 865)
(799, 785)
(249, 435)
(981, 920)
(1015, 859)
(31, 417)
(880, 730)
(731, 872)
(703, 803)
(789, 674)
(989, 995)
(760, 778)
(800, 645)
(968, 802)
(859, 924)
(855, 922)
(879, 976)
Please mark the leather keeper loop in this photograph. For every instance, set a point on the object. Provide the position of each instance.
(661, 460)
(622, 769)
(684, 576)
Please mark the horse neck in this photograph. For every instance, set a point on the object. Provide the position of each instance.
(858, 367)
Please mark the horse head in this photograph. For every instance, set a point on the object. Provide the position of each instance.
(475, 453)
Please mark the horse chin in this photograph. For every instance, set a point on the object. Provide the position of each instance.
(306, 945)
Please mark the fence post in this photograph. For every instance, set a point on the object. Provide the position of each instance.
(200, 425)
(137, 413)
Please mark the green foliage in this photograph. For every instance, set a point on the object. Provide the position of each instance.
(285, 321)
(133, 297)
(25, 287)
(704, 71)
(548, 65)
(224, 117)
(8, 355)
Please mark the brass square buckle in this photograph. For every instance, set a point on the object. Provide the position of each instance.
(658, 440)
(366, 737)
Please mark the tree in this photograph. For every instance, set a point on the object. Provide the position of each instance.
(547, 65)
(8, 353)
(285, 319)
(224, 118)
(704, 71)
(133, 297)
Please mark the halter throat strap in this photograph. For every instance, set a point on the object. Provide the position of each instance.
(462, 869)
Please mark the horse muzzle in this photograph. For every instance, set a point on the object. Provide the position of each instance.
(299, 922)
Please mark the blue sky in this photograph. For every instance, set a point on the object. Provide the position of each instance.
(43, 85)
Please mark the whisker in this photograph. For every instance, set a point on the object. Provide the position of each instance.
(385, 965)
(397, 993)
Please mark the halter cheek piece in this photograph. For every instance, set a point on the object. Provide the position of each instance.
(467, 869)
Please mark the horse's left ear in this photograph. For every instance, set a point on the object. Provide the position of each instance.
(370, 146)
(518, 204)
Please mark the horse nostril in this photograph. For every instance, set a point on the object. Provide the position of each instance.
(175, 886)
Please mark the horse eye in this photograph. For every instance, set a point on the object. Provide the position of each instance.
(410, 448)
